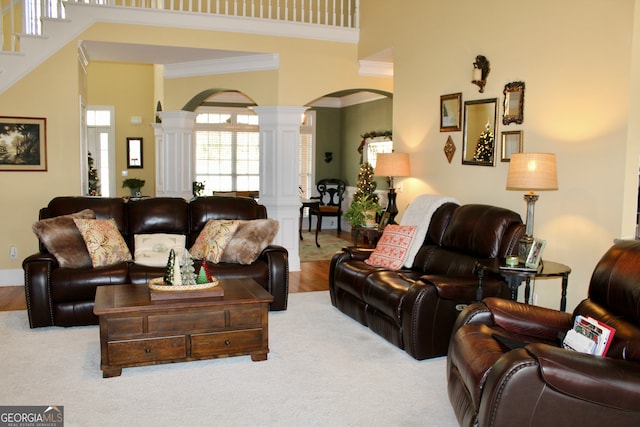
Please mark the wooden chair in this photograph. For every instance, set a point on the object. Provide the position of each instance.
(331, 193)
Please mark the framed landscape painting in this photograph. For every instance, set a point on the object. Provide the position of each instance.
(23, 144)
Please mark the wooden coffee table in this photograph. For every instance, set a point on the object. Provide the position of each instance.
(135, 331)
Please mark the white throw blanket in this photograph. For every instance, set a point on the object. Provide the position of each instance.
(419, 213)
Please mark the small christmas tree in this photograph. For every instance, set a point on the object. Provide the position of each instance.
(186, 269)
(484, 149)
(169, 271)
(204, 276)
(94, 181)
(366, 185)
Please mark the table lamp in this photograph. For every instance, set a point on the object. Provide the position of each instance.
(531, 172)
(392, 165)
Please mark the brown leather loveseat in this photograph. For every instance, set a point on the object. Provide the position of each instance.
(506, 367)
(64, 296)
(415, 308)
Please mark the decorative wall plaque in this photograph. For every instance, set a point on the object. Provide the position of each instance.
(449, 148)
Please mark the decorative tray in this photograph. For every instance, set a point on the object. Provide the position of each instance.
(159, 291)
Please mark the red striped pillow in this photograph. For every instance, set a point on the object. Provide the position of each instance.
(393, 247)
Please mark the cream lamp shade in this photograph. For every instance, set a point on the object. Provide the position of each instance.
(392, 164)
(532, 171)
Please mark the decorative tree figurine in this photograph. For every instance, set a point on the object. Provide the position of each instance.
(366, 185)
(169, 271)
(94, 181)
(186, 269)
(484, 149)
(204, 276)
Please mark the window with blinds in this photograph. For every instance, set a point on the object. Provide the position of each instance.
(227, 152)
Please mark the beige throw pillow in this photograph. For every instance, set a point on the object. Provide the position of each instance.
(213, 238)
(104, 241)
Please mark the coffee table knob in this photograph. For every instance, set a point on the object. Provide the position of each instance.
(227, 343)
(148, 351)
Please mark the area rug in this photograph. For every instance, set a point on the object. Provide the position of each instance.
(323, 369)
(329, 245)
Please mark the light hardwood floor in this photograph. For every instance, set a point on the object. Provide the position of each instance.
(314, 276)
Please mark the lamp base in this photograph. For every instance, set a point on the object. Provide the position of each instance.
(391, 207)
(524, 247)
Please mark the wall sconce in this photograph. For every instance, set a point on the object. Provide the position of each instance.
(328, 156)
(480, 72)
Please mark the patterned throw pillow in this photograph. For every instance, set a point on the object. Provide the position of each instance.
(393, 247)
(104, 241)
(213, 239)
(153, 249)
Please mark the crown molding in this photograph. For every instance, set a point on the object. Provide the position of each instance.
(236, 64)
(376, 68)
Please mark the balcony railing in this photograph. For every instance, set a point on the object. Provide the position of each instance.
(25, 16)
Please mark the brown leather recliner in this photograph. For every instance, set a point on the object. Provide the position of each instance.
(533, 381)
(415, 308)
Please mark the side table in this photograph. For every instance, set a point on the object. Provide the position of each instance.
(515, 277)
(372, 234)
(307, 203)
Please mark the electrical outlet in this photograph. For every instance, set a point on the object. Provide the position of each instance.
(399, 187)
(13, 252)
(534, 300)
(332, 223)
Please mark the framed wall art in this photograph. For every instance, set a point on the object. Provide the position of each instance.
(450, 112)
(511, 143)
(134, 153)
(513, 103)
(23, 144)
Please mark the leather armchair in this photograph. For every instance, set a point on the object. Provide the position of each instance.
(535, 381)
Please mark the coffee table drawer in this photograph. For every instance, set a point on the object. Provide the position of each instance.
(147, 350)
(222, 343)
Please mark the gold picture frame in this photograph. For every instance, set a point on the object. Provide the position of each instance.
(23, 144)
(450, 112)
(512, 142)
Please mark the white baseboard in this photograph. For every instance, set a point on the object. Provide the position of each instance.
(12, 277)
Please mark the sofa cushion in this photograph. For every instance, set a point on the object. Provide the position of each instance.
(153, 249)
(104, 242)
(249, 240)
(393, 247)
(63, 240)
(213, 239)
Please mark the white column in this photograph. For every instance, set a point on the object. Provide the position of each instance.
(174, 154)
(279, 180)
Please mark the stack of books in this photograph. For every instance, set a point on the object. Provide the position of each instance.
(589, 336)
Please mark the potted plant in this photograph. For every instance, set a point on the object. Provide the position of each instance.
(134, 185)
(362, 212)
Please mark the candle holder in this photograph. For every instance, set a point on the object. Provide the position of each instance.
(480, 72)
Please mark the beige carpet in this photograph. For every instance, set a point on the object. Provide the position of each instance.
(324, 369)
(329, 245)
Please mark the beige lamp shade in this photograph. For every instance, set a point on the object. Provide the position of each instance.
(392, 164)
(532, 171)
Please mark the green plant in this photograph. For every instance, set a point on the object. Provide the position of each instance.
(133, 183)
(197, 188)
(356, 212)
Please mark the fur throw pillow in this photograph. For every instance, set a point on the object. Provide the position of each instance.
(249, 240)
(63, 240)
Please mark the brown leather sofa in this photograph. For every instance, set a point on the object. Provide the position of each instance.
(64, 296)
(535, 382)
(415, 309)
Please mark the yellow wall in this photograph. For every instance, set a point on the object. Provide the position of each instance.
(130, 88)
(577, 73)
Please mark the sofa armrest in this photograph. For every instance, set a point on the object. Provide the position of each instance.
(601, 380)
(277, 258)
(529, 320)
(37, 273)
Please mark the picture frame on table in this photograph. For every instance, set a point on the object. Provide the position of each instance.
(23, 144)
(535, 253)
(450, 112)
(384, 220)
